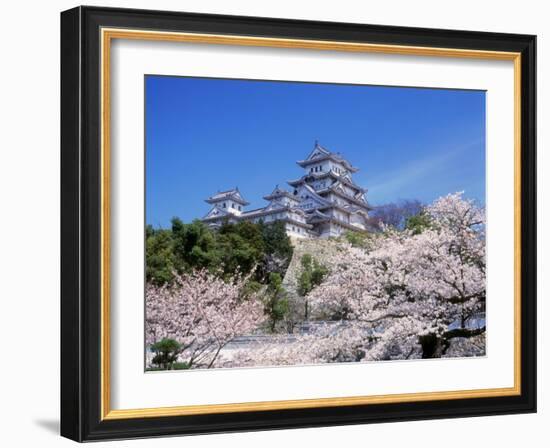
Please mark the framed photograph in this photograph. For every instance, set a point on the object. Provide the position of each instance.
(273, 223)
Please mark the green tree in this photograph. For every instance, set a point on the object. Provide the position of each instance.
(276, 240)
(240, 247)
(232, 248)
(356, 239)
(418, 223)
(318, 273)
(311, 275)
(304, 277)
(194, 245)
(160, 262)
(166, 353)
(277, 250)
(276, 302)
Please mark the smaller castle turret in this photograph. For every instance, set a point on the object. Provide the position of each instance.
(226, 205)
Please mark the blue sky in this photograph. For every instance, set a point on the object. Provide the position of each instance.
(205, 135)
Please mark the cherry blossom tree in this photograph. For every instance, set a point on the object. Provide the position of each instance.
(414, 293)
(202, 312)
(405, 295)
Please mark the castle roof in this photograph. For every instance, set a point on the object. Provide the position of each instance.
(217, 213)
(320, 154)
(278, 193)
(316, 196)
(234, 195)
(355, 200)
(318, 176)
(274, 207)
(318, 217)
(347, 208)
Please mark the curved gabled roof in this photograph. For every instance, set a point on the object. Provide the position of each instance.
(234, 195)
(358, 201)
(323, 175)
(278, 193)
(320, 154)
(216, 213)
(274, 207)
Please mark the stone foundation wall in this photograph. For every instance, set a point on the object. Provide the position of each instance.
(319, 249)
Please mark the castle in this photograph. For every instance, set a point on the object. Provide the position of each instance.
(324, 202)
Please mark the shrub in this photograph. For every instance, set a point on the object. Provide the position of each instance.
(166, 353)
(356, 239)
(312, 275)
(418, 223)
(180, 366)
(276, 305)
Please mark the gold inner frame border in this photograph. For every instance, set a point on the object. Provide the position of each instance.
(107, 35)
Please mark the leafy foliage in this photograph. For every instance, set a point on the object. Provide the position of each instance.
(166, 353)
(311, 275)
(276, 301)
(416, 224)
(194, 245)
(276, 240)
(356, 239)
(234, 248)
(239, 247)
(159, 255)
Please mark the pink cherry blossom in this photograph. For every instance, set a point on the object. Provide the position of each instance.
(405, 295)
(202, 312)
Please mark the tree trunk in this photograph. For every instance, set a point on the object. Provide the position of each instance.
(432, 346)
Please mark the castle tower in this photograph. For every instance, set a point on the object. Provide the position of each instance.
(321, 160)
(226, 205)
(329, 195)
(324, 202)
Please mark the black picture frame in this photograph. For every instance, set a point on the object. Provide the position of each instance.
(81, 224)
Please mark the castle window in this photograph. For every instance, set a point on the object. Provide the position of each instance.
(240, 208)
(321, 168)
(224, 205)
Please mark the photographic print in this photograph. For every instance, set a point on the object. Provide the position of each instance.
(319, 207)
(292, 223)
